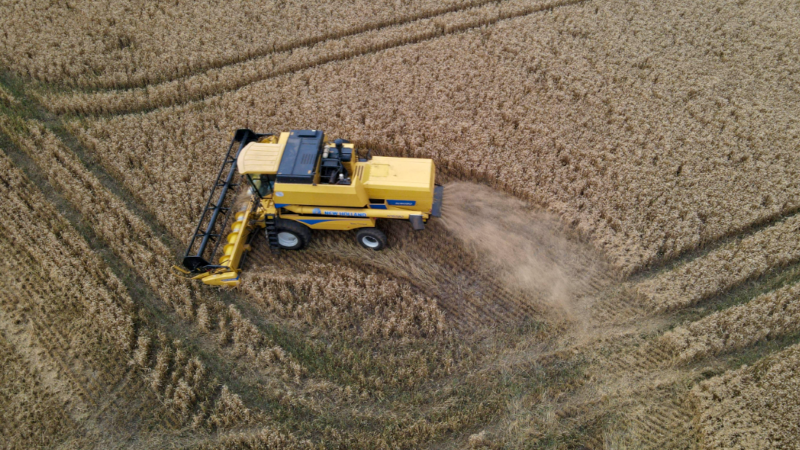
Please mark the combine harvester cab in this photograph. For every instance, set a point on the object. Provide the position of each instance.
(298, 182)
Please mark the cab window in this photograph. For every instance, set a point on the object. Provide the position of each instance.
(263, 184)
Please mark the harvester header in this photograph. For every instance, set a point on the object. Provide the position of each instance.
(299, 181)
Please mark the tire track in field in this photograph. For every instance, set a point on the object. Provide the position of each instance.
(752, 228)
(56, 375)
(638, 383)
(324, 37)
(232, 77)
(632, 390)
(150, 304)
(88, 391)
(721, 270)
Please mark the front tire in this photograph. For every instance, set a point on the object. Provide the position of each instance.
(371, 238)
(292, 235)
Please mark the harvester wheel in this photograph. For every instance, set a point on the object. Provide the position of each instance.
(371, 238)
(292, 235)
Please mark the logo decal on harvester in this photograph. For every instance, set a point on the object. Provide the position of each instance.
(315, 211)
(402, 202)
(345, 214)
(279, 194)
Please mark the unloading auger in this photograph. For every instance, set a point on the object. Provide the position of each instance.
(299, 181)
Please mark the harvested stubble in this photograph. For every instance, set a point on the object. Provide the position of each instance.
(373, 331)
(83, 314)
(754, 407)
(6, 98)
(468, 293)
(62, 276)
(30, 415)
(264, 438)
(525, 248)
(434, 262)
(183, 385)
(768, 316)
(385, 334)
(112, 44)
(230, 77)
(650, 146)
(332, 297)
(135, 243)
(725, 267)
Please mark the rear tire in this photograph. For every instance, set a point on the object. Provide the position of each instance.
(292, 235)
(371, 238)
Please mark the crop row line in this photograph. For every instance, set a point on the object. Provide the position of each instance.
(724, 267)
(134, 243)
(308, 41)
(233, 77)
(767, 316)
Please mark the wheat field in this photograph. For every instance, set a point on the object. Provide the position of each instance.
(617, 265)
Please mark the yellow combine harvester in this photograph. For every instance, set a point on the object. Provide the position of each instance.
(299, 181)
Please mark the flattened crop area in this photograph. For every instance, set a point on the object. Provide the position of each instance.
(617, 264)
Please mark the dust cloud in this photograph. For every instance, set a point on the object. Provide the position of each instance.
(530, 249)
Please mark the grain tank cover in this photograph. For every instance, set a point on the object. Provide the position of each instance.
(406, 183)
(300, 156)
(258, 158)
